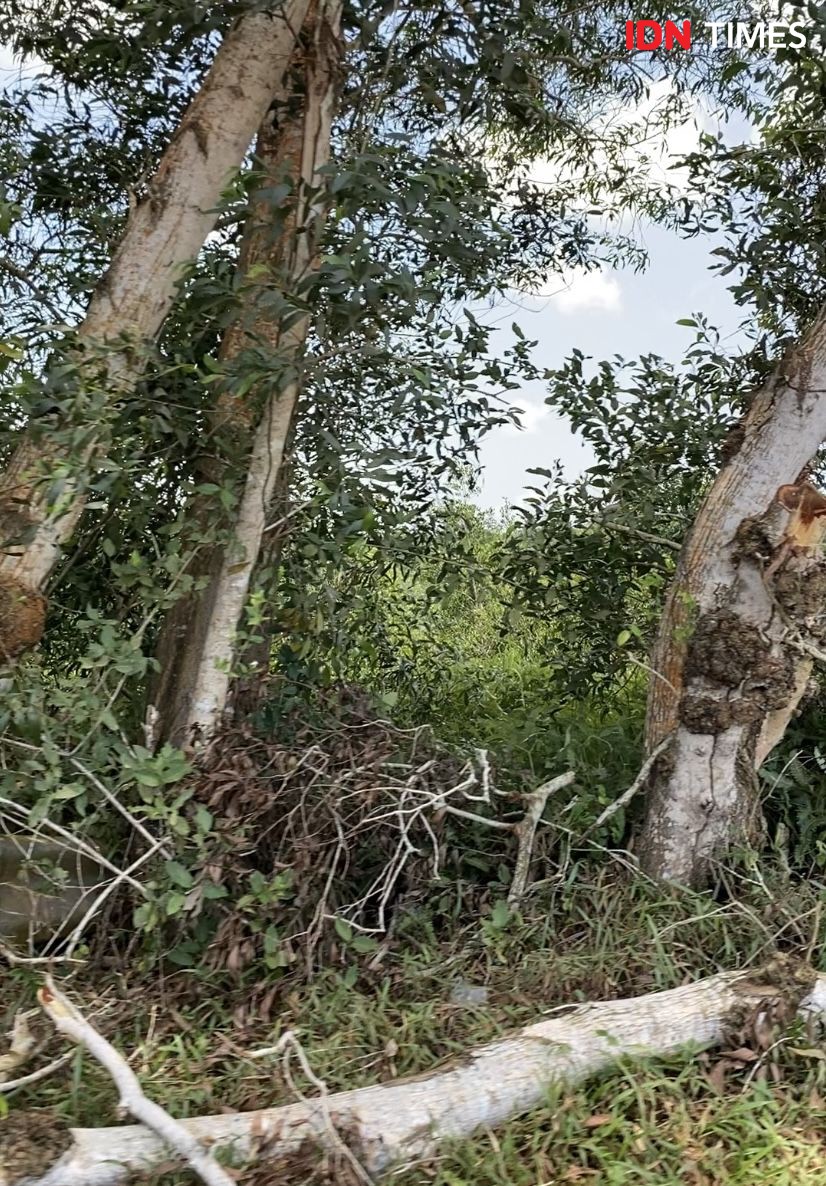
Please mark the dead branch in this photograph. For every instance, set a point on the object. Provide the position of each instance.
(407, 1119)
(626, 797)
(526, 831)
(71, 1022)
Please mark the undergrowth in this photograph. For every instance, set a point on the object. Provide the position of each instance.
(590, 933)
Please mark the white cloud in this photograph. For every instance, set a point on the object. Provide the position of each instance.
(13, 68)
(531, 416)
(660, 129)
(589, 291)
(582, 291)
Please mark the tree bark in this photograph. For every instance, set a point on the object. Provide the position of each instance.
(405, 1119)
(197, 647)
(740, 626)
(164, 232)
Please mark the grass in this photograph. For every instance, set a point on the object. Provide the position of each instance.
(587, 935)
(646, 1125)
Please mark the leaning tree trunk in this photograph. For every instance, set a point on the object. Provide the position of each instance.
(374, 1127)
(164, 232)
(197, 646)
(742, 620)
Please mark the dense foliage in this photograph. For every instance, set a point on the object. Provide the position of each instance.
(524, 636)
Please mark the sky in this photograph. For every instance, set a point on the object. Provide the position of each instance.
(611, 311)
(602, 314)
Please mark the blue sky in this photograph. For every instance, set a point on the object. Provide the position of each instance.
(606, 313)
(614, 311)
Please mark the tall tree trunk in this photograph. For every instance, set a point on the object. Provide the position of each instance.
(164, 232)
(197, 645)
(250, 686)
(741, 623)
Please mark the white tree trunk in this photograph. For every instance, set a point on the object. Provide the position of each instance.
(165, 231)
(389, 1122)
(734, 649)
(191, 702)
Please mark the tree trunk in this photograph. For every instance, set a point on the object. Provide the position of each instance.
(165, 231)
(408, 1118)
(740, 626)
(197, 646)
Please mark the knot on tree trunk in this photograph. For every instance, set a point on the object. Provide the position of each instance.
(22, 617)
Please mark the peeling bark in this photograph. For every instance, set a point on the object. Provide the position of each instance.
(165, 231)
(742, 619)
(406, 1119)
(197, 647)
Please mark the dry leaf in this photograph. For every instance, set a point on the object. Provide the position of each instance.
(742, 1054)
(598, 1119)
(808, 1052)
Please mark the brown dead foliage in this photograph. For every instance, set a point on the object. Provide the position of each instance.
(349, 817)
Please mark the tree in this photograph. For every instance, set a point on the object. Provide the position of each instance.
(42, 489)
(741, 626)
(398, 380)
(739, 631)
(278, 257)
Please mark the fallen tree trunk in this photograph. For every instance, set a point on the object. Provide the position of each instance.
(742, 621)
(406, 1119)
(165, 231)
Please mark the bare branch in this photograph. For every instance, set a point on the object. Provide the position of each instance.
(526, 831)
(626, 797)
(71, 1022)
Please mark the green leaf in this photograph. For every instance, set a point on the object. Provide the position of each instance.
(203, 819)
(70, 791)
(343, 930)
(179, 875)
(500, 914)
(363, 943)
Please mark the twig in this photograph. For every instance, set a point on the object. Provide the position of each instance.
(31, 961)
(526, 831)
(68, 1020)
(651, 671)
(626, 797)
(502, 825)
(289, 1042)
(808, 648)
(73, 842)
(21, 1048)
(23, 276)
(155, 844)
(40, 1073)
(107, 890)
(289, 515)
(660, 540)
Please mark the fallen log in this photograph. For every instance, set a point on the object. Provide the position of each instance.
(406, 1119)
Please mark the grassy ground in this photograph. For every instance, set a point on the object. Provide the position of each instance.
(391, 1013)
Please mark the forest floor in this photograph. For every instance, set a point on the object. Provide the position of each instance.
(694, 1121)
